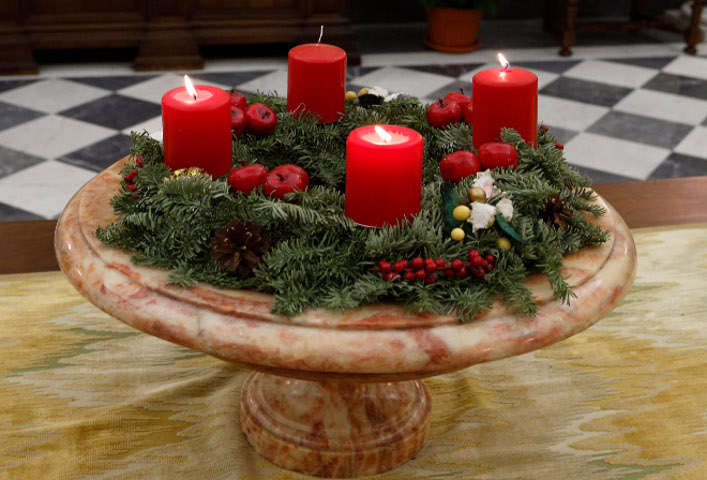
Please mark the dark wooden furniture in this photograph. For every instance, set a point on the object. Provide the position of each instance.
(29, 246)
(561, 17)
(166, 33)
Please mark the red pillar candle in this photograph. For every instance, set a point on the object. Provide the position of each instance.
(316, 81)
(504, 97)
(383, 175)
(197, 132)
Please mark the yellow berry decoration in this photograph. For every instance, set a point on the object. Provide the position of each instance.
(476, 194)
(458, 234)
(351, 96)
(363, 91)
(503, 243)
(461, 213)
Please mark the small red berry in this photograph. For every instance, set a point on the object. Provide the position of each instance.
(477, 272)
(417, 262)
(457, 265)
(477, 261)
(490, 258)
(559, 146)
(410, 276)
(400, 265)
(385, 267)
(440, 262)
(421, 274)
(390, 276)
(473, 253)
(489, 267)
(431, 267)
(461, 273)
(138, 162)
(430, 279)
(544, 128)
(448, 272)
(134, 196)
(131, 176)
(131, 187)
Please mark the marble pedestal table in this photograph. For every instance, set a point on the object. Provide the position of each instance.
(337, 394)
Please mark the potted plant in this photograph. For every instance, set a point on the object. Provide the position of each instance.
(452, 25)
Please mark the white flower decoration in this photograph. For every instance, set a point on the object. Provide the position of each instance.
(393, 96)
(380, 91)
(505, 208)
(481, 215)
(484, 181)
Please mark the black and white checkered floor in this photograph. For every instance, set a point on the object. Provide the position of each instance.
(623, 112)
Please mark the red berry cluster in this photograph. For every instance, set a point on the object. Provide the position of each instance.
(130, 179)
(427, 269)
(559, 146)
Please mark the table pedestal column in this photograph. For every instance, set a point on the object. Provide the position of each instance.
(334, 429)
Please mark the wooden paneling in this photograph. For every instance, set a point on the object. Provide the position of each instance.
(650, 203)
(167, 33)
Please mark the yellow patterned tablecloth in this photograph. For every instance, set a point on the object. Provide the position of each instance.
(84, 396)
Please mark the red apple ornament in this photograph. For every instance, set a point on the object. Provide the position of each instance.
(458, 165)
(459, 98)
(260, 119)
(466, 113)
(247, 179)
(443, 113)
(238, 121)
(237, 99)
(498, 155)
(285, 179)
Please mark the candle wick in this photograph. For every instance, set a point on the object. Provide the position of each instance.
(321, 33)
(194, 96)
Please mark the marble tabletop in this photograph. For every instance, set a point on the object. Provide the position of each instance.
(375, 343)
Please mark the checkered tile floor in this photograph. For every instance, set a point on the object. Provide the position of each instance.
(623, 112)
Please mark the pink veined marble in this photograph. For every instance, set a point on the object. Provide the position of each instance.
(330, 352)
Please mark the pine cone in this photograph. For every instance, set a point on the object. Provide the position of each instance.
(240, 246)
(554, 212)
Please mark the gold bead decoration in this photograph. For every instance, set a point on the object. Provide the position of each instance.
(363, 91)
(476, 194)
(190, 172)
(461, 213)
(351, 96)
(491, 222)
(458, 234)
(503, 243)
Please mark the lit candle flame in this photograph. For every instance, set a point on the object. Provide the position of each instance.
(385, 136)
(321, 34)
(504, 63)
(190, 86)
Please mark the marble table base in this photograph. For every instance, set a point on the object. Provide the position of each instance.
(334, 429)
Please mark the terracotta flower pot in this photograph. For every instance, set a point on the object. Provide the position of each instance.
(452, 30)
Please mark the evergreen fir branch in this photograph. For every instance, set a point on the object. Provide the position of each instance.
(581, 199)
(467, 304)
(506, 279)
(320, 258)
